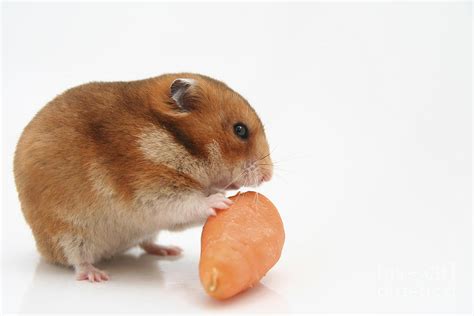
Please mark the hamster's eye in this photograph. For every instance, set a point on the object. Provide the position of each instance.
(241, 130)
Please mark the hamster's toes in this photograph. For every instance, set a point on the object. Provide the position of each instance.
(218, 201)
(87, 271)
(159, 250)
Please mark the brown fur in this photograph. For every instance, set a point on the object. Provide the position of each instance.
(78, 162)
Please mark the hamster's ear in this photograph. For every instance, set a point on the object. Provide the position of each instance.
(180, 92)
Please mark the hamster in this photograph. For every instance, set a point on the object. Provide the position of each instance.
(105, 166)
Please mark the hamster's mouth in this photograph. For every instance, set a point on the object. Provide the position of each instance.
(234, 186)
(224, 185)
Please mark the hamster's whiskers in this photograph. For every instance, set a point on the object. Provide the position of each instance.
(236, 178)
(265, 156)
(256, 195)
(277, 167)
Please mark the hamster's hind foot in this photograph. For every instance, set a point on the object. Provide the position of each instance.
(86, 271)
(159, 250)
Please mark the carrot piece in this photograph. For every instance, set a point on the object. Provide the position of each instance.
(240, 245)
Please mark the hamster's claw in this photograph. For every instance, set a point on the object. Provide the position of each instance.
(87, 271)
(211, 212)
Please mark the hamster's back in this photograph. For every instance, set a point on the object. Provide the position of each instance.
(55, 154)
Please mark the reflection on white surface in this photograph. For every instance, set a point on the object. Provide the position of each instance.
(139, 283)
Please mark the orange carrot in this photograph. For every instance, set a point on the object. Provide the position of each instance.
(240, 245)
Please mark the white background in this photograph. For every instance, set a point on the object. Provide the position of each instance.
(368, 112)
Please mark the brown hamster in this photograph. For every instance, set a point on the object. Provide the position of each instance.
(106, 166)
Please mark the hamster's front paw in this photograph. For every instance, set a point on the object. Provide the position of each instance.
(217, 201)
(194, 209)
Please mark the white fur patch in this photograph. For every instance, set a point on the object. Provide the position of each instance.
(160, 147)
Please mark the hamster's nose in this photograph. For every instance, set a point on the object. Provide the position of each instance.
(266, 169)
(266, 175)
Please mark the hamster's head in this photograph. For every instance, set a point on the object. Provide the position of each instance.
(217, 124)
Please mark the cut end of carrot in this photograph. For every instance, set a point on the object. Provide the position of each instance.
(212, 286)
